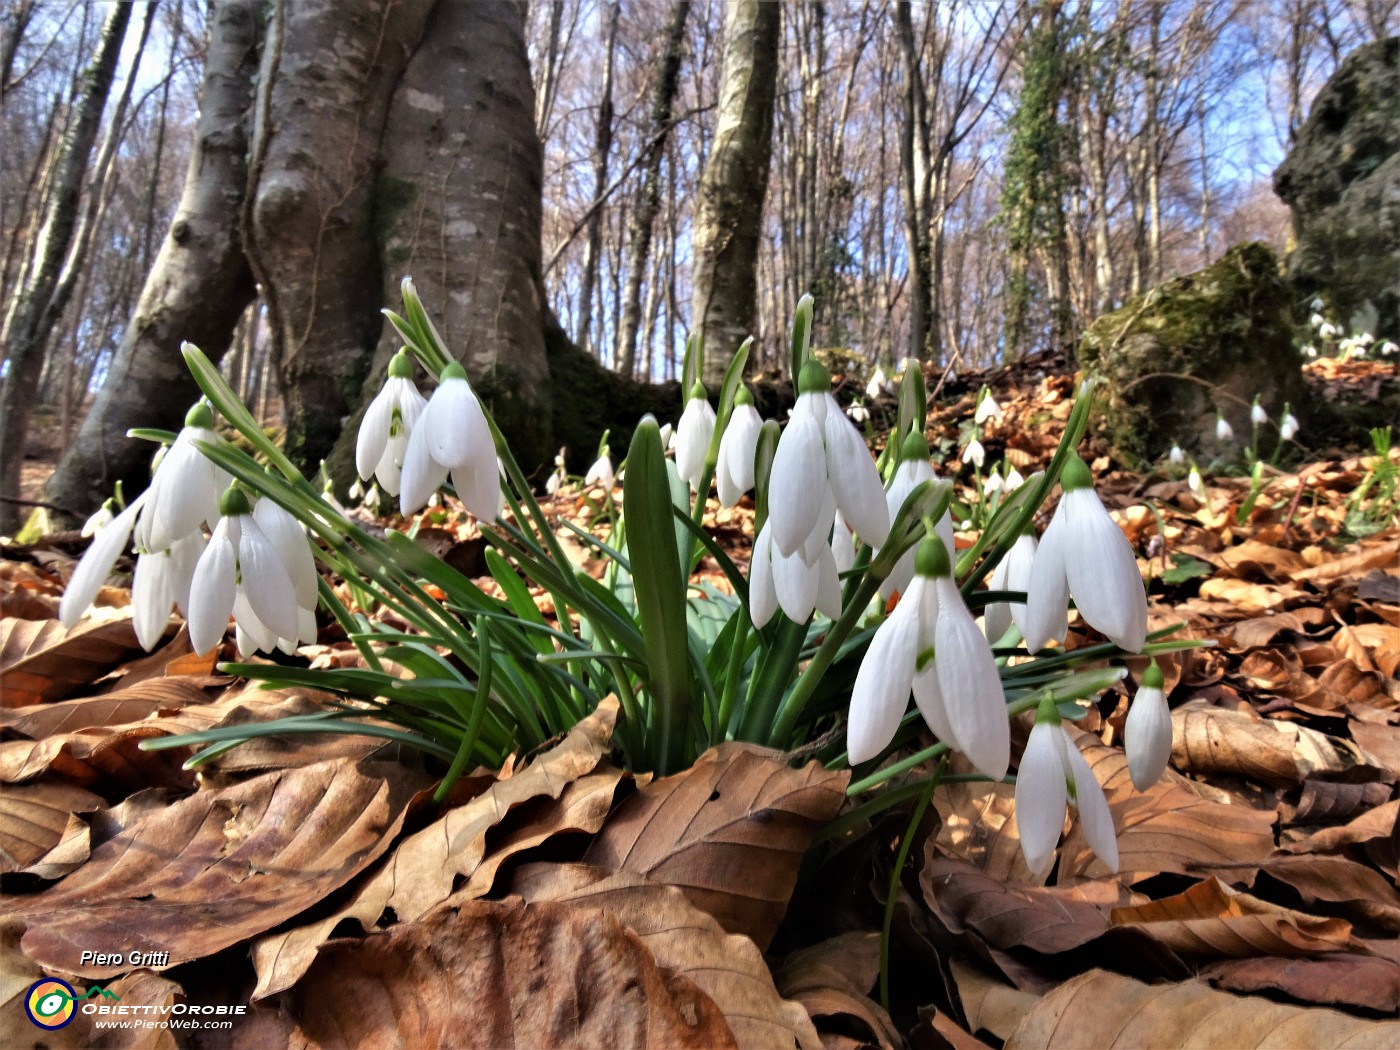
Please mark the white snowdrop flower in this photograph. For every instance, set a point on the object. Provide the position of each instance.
(693, 435)
(913, 470)
(822, 464)
(357, 490)
(789, 582)
(601, 473)
(294, 548)
(1317, 320)
(1147, 732)
(372, 498)
(734, 472)
(858, 412)
(96, 564)
(931, 646)
(1013, 573)
(184, 490)
(103, 517)
(994, 484)
(1085, 555)
(241, 574)
(974, 454)
(1223, 431)
(1052, 774)
(1309, 351)
(1194, 482)
(552, 485)
(1388, 349)
(162, 582)
(1257, 415)
(1014, 481)
(1327, 331)
(1288, 428)
(876, 386)
(453, 437)
(388, 422)
(987, 408)
(1317, 304)
(1176, 457)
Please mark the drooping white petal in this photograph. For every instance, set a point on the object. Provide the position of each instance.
(996, 618)
(851, 472)
(286, 535)
(422, 474)
(734, 473)
(971, 685)
(96, 564)
(1047, 596)
(763, 598)
(828, 598)
(1102, 572)
(1013, 573)
(600, 473)
(798, 484)
(796, 584)
(1041, 797)
(184, 558)
(374, 432)
(1147, 736)
(843, 547)
(151, 598)
(923, 596)
(213, 587)
(1094, 816)
(263, 577)
(454, 425)
(478, 486)
(881, 692)
(252, 634)
(693, 435)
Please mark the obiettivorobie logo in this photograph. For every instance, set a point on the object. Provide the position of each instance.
(50, 1003)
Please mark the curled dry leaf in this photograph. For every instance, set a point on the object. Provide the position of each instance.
(684, 940)
(1332, 979)
(730, 831)
(1109, 1011)
(218, 867)
(35, 817)
(833, 979)
(1209, 740)
(501, 973)
(1360, 891)
(421, 872)
(1332, 802)
(1214, 921)
(43, 660)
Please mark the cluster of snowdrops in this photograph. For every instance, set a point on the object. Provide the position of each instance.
(856, 597)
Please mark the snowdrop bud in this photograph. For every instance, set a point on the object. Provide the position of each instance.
(1388, 349)
(995, 483)
(1327, 331)
(372, 498)
(1317, 303)
(1014, 481)
(1176, 456)
(1288, 429)
(1317, 320)
(388, 422)
(876, 386)
(693, 436)
(734, 472)
(1257, 415)
(184, 491)
(975, 454)
(600, 473)
(1309, 351)
(1147, 732)
(452, 437)
(104, 516)
(1084, 555)
(1223, 431)
(987, 408)
(1194, 482)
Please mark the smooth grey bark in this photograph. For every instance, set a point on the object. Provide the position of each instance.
(23, 336)
(198, 286)
(602, 149)
(328, 74)
(729, 212)
(648, 201)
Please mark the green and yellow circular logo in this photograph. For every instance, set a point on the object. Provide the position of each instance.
(49, 1003)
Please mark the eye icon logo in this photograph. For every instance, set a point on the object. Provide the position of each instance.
(49, 1003)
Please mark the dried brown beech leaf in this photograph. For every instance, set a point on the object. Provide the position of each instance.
(34, 818)
(833, 979)
(1254, 560)
(1361, 891)
(1108, 1011)
(1167, 828)
(500, 974)
(730, 831)
(1378, 823)
(1330, 802)
(218, 867)
(122, 707)
(1352, 565)
(1209, 740)
(987, 1003)
(420, 873)
(42, 660)
(1341, 979)
(1216, 922)
(936, 1029)
(1380, 741)
(684, 940)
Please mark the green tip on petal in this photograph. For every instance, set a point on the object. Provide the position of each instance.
(200, 415)
(931, 559)
(1152, 678)
(914, 446)
(742, 396)
(1076, 475)
(452, 371)
(1048, 712)
(813, 379)
(698, 391)
(234, 502)
(401, 365)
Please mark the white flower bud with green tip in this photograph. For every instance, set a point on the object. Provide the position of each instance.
(734, 473)
(1147, 731)
(184, 490)
(987, 408)
(694, 433)
(601, 473)
(1257, 415)
(1176, 457)
(1052, 774)
(453, 437)
(974, 454)
(1288, 428)
(382, 442)
(1085, 555)
(1223, 431)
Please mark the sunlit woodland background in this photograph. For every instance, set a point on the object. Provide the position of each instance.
(1037, 163)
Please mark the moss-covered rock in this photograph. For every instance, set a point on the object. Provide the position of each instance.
(1206, 343)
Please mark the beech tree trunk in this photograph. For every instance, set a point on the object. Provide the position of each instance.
(198, 286)
(729, 212)
(23, 337)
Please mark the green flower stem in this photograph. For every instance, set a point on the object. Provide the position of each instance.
(892, 895)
